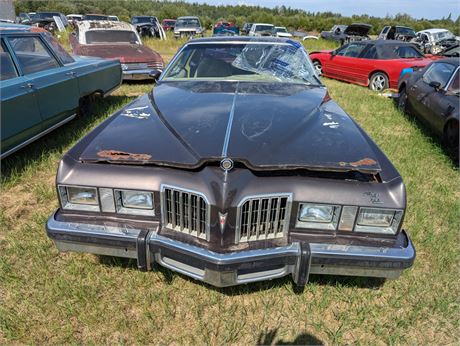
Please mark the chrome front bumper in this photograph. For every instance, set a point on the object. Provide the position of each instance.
(228, 269)
(139, 74)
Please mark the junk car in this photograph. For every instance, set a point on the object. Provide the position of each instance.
(43, 87)
(148, 26)
(117, 40)
(168, 24)
(434, 41)
(347, 33)
(432, 95)
(188, 27)
(224, 28)
(237, 167)
(397, 32)
(375, 64)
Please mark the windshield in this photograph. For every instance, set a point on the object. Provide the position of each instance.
(95, 17)
(45, 15)
(263, 28)
(245, 61)
(111, 36)
(137, 20)
(443, 35)
(188, 23)
(405, 31)
(280, 30)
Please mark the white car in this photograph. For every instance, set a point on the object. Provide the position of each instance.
(435, 40)
(281, 31)
(261, 29)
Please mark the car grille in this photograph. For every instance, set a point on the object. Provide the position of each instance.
(185, 211)
(156, 65)
(263, 217)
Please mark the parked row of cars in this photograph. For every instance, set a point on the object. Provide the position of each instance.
(433, 41)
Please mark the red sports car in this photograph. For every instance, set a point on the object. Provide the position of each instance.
(376, 64)
(168, 24)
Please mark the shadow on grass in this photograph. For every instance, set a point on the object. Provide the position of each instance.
(57, 140)
(269, 338)
(322, 280)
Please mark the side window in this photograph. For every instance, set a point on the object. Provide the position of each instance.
(454, 86)
(385, 29)
(371, 53)
(32, 54)
(7, 69)
(58, 49)
(353, 50)
(439, 72)
(342, 50)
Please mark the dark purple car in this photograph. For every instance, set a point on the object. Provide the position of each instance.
(237, 167)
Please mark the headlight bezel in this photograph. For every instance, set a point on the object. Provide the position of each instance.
(330, 225)
(121, 208)
(67, 204)
(391, 229)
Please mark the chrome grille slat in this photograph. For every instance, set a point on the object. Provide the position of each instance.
(263, 217)
(185, 211)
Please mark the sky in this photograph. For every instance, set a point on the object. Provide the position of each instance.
(430, 9)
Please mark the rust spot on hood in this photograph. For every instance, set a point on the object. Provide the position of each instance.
(121, 155)
(363, 162)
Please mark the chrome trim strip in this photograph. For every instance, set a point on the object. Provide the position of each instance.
(230, 123)
(37, 136)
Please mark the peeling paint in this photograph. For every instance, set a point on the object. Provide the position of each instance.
(331, 125)
(121, 155)
(136, 112)
(363, 162)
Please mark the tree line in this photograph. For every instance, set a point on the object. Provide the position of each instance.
(294, 19)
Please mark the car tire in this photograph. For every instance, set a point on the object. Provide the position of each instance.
(318, 68)
(379, 82)
(402, 100)
(85, 105)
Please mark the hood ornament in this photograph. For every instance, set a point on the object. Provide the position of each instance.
(226, 164)
(222, 221)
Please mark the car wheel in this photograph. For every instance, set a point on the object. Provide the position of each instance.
(318, 67)
(378, 82)
(85, 105)
(402, 100)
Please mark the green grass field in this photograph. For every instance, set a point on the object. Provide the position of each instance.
(49, 297)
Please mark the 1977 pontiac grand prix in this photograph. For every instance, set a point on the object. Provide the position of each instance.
(237, 167)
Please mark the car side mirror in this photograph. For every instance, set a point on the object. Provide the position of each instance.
(436, 85)
(333, 53)
(155, 74)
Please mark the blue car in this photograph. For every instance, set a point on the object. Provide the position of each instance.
(43, 87)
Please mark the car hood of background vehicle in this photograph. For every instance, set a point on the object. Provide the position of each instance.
(265, 126)
(124, 52)
(358, 29)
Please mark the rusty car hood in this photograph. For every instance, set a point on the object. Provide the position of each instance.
(126, 53)
(265, 126)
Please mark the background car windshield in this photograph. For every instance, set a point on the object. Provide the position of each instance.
(439, 72)
(95, 17)
(405, 31)
(280, 30)
(264, 28)
(245, 61)
(137, 20)
(111, 36)
(188, 23)
(443, 35)
(46, 15)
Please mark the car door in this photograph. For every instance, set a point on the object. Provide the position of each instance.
(443, 102)
(425, 97)
(383, 33)
(20, 116)
(347, 64)
(56, 87)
